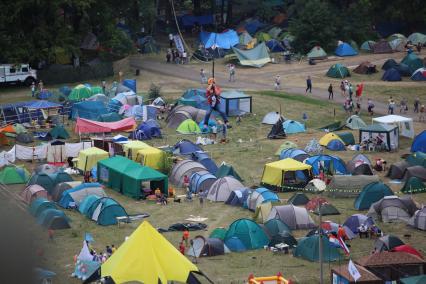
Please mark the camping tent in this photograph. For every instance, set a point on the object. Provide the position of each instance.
(392, 208)
(12, 174)
(345, 49)
(348, 186)
(77, 194)
(227, 170)
(185, 147)
(225, 40)
(419, 143)
(331, 164)
(204, 159)
(53, 219)
(188, 126)
(387, 243)
(222, 188)
(309, 249)
(355, 221)
(382, 46)
(415, 171)
(414, 279)
(296, 218)
(201, 247)
(388, 134)
(88, 110)
(154, 260)
(327, 138)
(132, 147)
(365, 67)
(336, 145)
(419, 75)
(259, 196)
(59, 188)
(49, 181)
(316, 186)
(416, 38)
(284, 146)
(417, 159)
(397, 170)
(292, 127)
(391, 75)
(39, 205)
(371, 193)
(238, 197)
(274, 46)
(33, 192)
(347, 137)
(245, 38)
(357, 161)
(279, 233)
(413, 185)
(338, 71)
(294, 153)
(326, 209)
(355, 122)
(88, 158)
(80, 92)
(390, 63)
(419, 219)
(317, 53)
(405, 124)
(146, 130)
(218, 233)
(287, 172)
(90, 126)
(46, 168)
(367, 45)
(152, 157)
(271, 118)
(277, 130)
(104, 211)
(58, 132)
(182, 168)
(413, 61)
(248, 232)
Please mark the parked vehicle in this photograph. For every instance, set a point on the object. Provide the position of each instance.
(17, 73)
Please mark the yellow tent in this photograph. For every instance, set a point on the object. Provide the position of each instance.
(147, 257)
(273, 173)
(131, 149)
(328, 137)
(89, 158)
(262, 212)
(152, 157)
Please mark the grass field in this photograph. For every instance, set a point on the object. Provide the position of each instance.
(248, 150)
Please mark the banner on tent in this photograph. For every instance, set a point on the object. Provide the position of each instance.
(179, 43)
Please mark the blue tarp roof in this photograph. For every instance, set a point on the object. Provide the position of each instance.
(224, 40)
(42, 104)
(88, 109)
(190, 20)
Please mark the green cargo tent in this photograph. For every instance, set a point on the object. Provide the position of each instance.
(338, 71)
(128, 177)
(39, 205)
(248, 232)
(326, 209)
(262, 37)
(317, 53)
(413, 185)
(347, 138)
(413, 62)
(188, 126)
(286, 145)
(227, 170)
(308, 248)
(58, 132)
(255, 57)
(14, 175)
(371, 193)
(367, 45)
(104, 211)
(218, 233)
(298, 199)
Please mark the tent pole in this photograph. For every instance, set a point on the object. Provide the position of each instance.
(320, 245)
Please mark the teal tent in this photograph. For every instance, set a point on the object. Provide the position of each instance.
(53, 219)
(338, 71)
(49, 181)
(86, 203)
(298, 198)
(275, 227)
(413, 62)
(255, 57)
(413, 185)
(317, 53)
(367, 45)
(59, 132)
(419, 279)
(371, 193)
(218, 233)
(308, 248)
(104, 211)
(248, 232)
(227, 170)
(39, 205)
(347, 138)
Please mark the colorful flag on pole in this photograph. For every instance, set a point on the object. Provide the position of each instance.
(353, 271)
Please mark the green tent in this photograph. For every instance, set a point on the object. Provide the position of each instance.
(347, 138)
(326, 209)
(332, 126)
(14, 175)
(19, 128)
(218, 233)
(255, 57)
(227, 170)
(276, 227)
(355, 122)
(417, 159)
(419, 279)
(317, 53)
(413, 62)
(188, 126)
(39, 205)
(96, 90)
(262, 37)
(79, 93)
(371, 193)
(284, 146)
(368, 45)
(338, 71)
(105, 211)
(49, 181)
(413, 185)
(248, 232)
(298, 199)
(308, 248)
(59, 132)
(354, 45)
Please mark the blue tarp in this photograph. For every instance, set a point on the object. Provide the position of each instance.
(224, 40)
(190, 20)
(130, 83)
(146, 131)
(42, 104)
(345, 49)
(88, 109)
(252, 26)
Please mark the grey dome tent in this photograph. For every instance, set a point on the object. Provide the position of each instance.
(202, 247)
(294, 217)
(359, 165)
(355, 122)
(182, 168)
(221, 189)
(201, 181)
(393, 208)
(326, 209)
(415, 171)
(396, 170)
(418, 220)
(46, 168)
(387, 243)
(61, 187)
(298, 199)
(272, 117)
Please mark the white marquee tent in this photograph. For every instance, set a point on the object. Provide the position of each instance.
(405, 124)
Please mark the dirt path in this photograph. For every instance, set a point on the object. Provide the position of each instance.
(293, 75)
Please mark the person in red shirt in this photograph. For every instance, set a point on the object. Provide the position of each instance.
(182, 248)
(213, 99)
(185, 237)
(341, 233)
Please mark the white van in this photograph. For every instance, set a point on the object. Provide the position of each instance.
(17, 73)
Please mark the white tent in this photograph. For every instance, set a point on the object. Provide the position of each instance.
(271, 117)
(405, 124)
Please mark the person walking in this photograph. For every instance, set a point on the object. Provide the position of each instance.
(330, 92)
(370, 107)
(308, 85)
(213, 100)
(277, 83)
(169, 55)
(391, 106)
(33, 89)
(201, 197)
(422, 112)
(403, 107)
(231, 72)
(184, 57)
(170, 40)
(416, 105)
(343, 88)
(203, 76)
(185, 237)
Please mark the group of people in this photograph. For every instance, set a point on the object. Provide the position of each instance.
(101, 257)
(174, 56)
(34, 88)
(418, 107)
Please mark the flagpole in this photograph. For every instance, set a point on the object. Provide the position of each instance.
(320, 245)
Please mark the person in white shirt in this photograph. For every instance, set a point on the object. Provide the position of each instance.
(171, 40)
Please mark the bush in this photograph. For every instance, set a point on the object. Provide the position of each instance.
(154, 91)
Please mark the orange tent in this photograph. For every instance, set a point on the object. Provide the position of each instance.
(6, 129)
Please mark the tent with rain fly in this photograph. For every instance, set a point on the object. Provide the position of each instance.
(248, 232)
(104, 211)
(88, 158)
(80, 92)
(393, 208)
(387, 134)
(218, 233)
(413, 185)
(336, 145)
(418, 220)
(39, 205)
(238, 197)
(284, 146)
(33, 192)
(271, 118)
(357, 161)
(227, 170)
(371, 193)
(277, 130)
(286, 173)
(398, 44)
(293, 127)
(329, 164)
(412, 61)
(415, 171)
(419, 75)
(338, 71)
(294, 153)
(204, 159)
(345, 49)
(188, 127)
(367, 45)
(403, 70)
(419, 143)
(347, 138)
(49, 181)
(225, 40)
(317, 53)
(259, 196)
(296, 218)
(201, 247)
(382, 46)
(309, 249)
(355, 122)
(278, 234)
(262, 212)
(184, 168)
(416, 38)
(74, 196)
(255, 57)
(201, 181)
(58, 132)
(154, 260)
(146, 130)
(221, 189)
(53, 219)
(12, 174)
(298, 199)
(355, 221)
(365, 67)
(58, 189)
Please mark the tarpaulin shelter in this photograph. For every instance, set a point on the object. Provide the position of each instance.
(338, 71)
(418, 220)
(317, 53)
(88, 158)
(12, 174)
(292, 127)
(235, 103)
(346, 186)
(296, 218)
(39, 205)
(248, 232)
(33, 192)
(201, 181)
(154, 260)
(104, 211)
(345, 49)
(77, 194)
(294, 153)
(224, 40)
(413, 62)
(371, 193)
(393, 208)
(284, 146)
(355, 221)
(227, 170)
(90, 126)
(259, 196)
(287, 172)
(419, 75)
(365, 67)
(182, 168)
(405, 124)
(53, 219)
(221, 189)
(201, 247)
(309, 249)
(355, 122)
(382, 46)
(255, 57)
(367, 45)
(388, 134)
(329, 164)
(419, 143)
(413, 185)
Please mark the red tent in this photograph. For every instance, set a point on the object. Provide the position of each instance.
(408, 249)
(91, 126)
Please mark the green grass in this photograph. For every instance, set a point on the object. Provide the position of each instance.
(296, 98)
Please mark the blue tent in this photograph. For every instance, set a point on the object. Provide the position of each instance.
(294, 153)
(130, 83)
(196, 98)
(146, 131)
(224, 40)
(419, 143)
(204, 159)
(39, 205)
(275, 46)
(44, 95)
(238, 197)
(330, 163)
(292, 126)
(336, 145)
(114, 105)
(252, 26)
(186, 147)
(235, 244)
(67, 198)
(53, 219)
(86, 203)
(391, 75)
(345, 49)
(65, 90)
(201, 181)
(88, 109)
(419, 75)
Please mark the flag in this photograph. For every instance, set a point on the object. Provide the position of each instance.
(353, 271)
(343, 246)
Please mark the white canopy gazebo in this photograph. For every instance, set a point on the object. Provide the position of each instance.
(405, 124)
